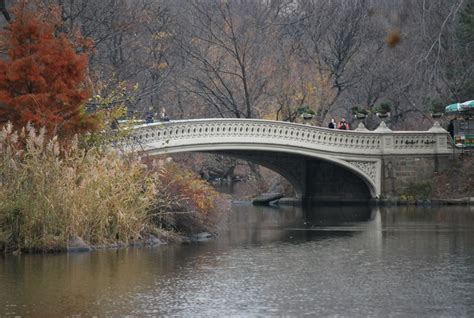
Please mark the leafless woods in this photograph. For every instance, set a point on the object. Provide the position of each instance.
(272, 58)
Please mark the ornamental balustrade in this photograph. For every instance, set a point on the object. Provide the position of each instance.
(253, 131)
(360, 151)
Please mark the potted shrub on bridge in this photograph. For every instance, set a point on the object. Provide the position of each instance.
(359, 112)
(437, 109)
(383, 111)
(305, 112)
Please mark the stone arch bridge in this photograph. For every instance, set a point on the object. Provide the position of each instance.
(322, 164)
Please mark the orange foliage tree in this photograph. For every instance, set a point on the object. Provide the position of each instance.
(42, 79)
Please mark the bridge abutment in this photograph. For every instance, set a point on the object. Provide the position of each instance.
(402, 172)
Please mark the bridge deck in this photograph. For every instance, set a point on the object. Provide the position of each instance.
(377, 142)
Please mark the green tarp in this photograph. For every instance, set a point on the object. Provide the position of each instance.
(460, 107)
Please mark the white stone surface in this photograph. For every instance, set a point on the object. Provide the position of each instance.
(360, 151)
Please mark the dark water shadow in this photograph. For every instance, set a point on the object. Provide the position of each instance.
(330, 222)
(337, 215)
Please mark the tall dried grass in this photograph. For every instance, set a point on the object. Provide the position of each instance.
(49, 193)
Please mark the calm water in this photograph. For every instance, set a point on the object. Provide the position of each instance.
(269, 262)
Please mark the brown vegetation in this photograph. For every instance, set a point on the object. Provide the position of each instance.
(457, 181)
(50, 193)
(185, 202)
(393, 38)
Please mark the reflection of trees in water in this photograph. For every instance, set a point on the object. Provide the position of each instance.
(256, 225)
(260, 225)
(96, 283)
(452, 215)
(117, 282)
(439, 233)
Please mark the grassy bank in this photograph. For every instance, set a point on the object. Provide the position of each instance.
(457, 181)
(454, 183)
(50, 193)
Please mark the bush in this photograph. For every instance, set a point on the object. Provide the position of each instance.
(419, 190)
(437, 106)
(186, 202)
(359, 110)
(304, 109)
(49, 193)
(384, 108)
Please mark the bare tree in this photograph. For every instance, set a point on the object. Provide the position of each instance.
(270, 58)
(329, 36)
(3, 9)
(229, 42)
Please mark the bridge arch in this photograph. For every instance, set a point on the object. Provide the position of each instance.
(360, 153)
(293, 167)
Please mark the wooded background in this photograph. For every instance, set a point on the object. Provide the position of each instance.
(269, 58)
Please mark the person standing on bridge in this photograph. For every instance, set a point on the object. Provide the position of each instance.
(343, 124)
(163, 115)
(451, 128)
(333, 124)
(149, 118)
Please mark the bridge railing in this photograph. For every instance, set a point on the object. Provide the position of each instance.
(256, 131)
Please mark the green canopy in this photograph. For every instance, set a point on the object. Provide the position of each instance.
(469, 105)
(460, 107)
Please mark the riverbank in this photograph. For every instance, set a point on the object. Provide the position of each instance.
(55, 195)
(77, 245)
(457, 181)
(288, 201)
(425, 202)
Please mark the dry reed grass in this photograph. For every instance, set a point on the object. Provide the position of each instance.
(49, 193)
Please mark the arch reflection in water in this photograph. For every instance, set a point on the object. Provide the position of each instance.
(326, 222)
(337, 215)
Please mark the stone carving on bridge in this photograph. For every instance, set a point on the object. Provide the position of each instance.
(363, 150)
(369, 168)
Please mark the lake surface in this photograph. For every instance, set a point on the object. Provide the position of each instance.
(351, 261)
